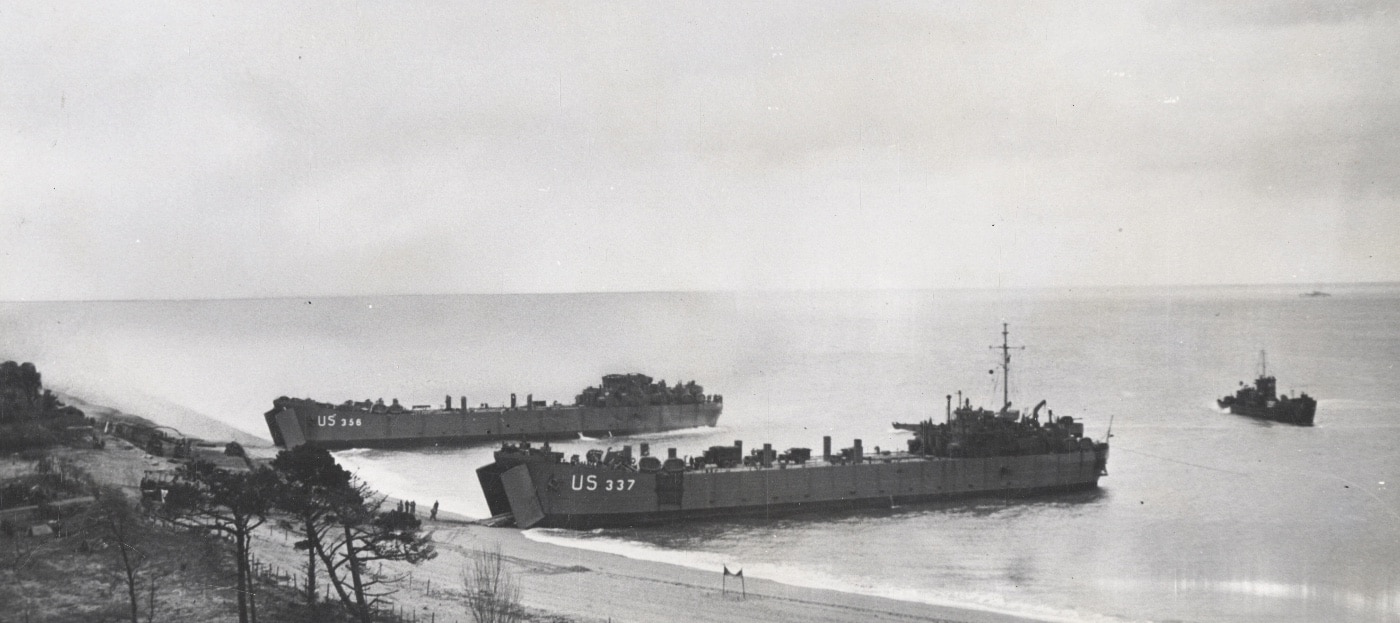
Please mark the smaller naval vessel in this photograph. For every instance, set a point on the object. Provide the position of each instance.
(1262, 401)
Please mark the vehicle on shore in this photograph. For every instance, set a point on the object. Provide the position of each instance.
(1262, 400)
(624, 404)
(974, 452)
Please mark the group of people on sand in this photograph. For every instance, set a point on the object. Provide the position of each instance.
(411, 507)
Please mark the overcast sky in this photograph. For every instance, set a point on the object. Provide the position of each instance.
(193, 149)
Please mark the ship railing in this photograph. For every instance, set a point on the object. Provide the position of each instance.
(816, 461)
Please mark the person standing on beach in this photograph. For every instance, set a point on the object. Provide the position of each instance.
(433, 513)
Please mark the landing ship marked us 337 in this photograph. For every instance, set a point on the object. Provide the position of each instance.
(623, 404)
(974, 452)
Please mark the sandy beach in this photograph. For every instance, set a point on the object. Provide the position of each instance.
(584, 585)
(600, 586)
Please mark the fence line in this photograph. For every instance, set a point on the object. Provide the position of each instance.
(388, 612)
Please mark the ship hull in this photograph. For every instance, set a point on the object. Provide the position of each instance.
(323, 426)
(1298, 415)
(564, 495)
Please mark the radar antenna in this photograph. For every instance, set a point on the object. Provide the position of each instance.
(1005, 349)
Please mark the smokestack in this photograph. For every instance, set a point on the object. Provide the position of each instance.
(449, 402)
(464, 403)
(949, 418)
(767, 458)
(826, 448)
(739, 443)
(529, 401)
(858, 452)
(646, 449)
(512, 401)
(670, 453)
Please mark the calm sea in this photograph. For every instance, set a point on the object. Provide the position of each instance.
(1204, 516)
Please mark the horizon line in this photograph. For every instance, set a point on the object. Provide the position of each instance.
(707, 291)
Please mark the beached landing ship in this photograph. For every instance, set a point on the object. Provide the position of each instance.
(974, 452)
(624, 404)
(1262, 401)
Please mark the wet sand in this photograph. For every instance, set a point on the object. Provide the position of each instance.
(598, 586)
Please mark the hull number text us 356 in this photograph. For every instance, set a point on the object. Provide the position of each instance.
(333, 420)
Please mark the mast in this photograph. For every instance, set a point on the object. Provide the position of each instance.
(1263, 364)
(1005, 349)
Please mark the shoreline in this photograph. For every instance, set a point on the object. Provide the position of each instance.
(582, 584)
(457, 537)
(673, 588)
(756, 574)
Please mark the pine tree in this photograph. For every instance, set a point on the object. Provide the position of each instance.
(228, 503)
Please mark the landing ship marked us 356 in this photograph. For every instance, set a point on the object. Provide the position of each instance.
(623, 404)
